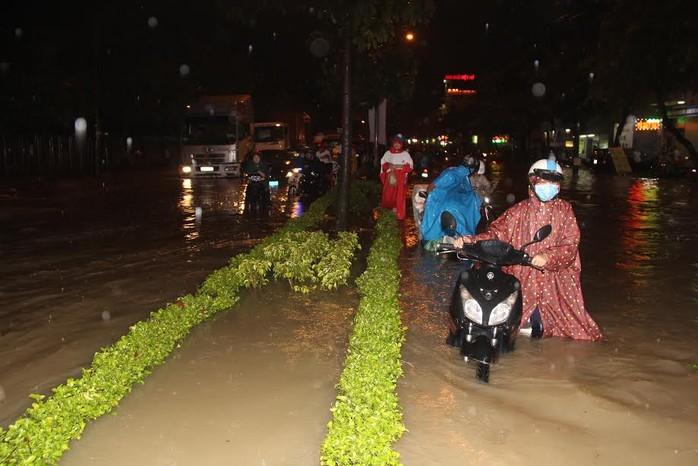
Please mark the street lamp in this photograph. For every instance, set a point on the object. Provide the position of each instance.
(409, 37)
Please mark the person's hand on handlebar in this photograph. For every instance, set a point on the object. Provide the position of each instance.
(462, 240)
(539, 260)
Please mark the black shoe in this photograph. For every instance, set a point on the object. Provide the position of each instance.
(536, 325)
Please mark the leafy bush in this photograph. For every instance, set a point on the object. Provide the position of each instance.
(366, 416)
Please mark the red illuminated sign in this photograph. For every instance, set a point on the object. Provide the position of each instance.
(460, 77)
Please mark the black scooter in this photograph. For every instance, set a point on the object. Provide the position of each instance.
(486, 307)
(315, 181)
(257, 197)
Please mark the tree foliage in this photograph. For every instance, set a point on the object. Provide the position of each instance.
(647, 55)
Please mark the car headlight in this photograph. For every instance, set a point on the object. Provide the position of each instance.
(501, 311)
(471, 308)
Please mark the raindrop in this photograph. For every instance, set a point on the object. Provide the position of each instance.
(4, 66)
(274, 35)
(18, 32)
(535, 64)
(184, 70)
(106, 315)
(538, 89)
(152, 22)
(319, 47)
(487, 27)
(472, 411)
(2, 394)
(80, 126)
(198, 212)
(250, 48)
(129, 143)
(511, 198)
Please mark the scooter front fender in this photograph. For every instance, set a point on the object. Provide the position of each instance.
(480, 350)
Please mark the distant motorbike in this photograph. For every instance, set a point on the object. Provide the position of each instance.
(314, 182)
(486, 305)
(293, 180)
(419, 199)
(257, 197)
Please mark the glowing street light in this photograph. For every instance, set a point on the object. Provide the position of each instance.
(409, 37)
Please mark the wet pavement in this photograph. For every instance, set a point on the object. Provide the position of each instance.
(254, 385)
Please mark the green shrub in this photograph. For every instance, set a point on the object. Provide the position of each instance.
(366, 416)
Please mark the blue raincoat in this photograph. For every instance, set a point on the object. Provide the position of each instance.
(452, 192)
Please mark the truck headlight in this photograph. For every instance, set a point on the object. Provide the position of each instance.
(471, 308)
(501, 311)
(186, 169)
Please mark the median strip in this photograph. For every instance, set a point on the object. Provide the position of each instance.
(367, 419)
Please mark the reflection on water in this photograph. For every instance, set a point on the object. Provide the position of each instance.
(641, 230)
(186, 205)
(297, 209)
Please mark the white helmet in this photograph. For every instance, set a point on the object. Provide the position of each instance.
(546, 169)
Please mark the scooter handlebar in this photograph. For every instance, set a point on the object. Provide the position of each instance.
(445, 248)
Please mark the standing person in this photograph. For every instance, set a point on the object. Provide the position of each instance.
(396, 164)
(552, 300)
(480, 183)
(322, 153)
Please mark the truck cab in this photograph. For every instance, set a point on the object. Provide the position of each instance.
(216, 136)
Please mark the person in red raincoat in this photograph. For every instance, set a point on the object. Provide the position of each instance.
(552, 301)
(396, 164)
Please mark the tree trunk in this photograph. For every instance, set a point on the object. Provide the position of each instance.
(345, 155)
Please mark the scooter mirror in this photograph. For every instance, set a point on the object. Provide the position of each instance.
(540, 235)
(543, 233)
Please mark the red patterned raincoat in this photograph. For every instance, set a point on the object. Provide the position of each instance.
(557, 293)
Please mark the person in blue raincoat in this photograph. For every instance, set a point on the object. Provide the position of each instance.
(452, 208)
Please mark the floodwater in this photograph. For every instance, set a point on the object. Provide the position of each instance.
(254, 386)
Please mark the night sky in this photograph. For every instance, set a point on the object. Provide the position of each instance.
(136, 59)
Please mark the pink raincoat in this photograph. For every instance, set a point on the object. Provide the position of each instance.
(557, 293)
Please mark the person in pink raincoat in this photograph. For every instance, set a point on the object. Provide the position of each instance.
(552, 300)
(396, 164)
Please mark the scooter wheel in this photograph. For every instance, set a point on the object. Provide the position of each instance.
(482, 372)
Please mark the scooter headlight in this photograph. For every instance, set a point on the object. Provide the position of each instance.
(471, 308)
(501, 311)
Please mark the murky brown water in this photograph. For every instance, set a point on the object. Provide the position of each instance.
(632, 399)
(255, 385)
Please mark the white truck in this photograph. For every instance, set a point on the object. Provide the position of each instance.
(272, 136)
(276, 140)
(216, 136)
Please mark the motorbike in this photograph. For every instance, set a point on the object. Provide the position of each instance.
(257, 198)
(314, 182)
(293, 180)
(486, 305)
(419, 199)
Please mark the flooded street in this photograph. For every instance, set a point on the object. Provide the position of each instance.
(631, 399)
(83, 261)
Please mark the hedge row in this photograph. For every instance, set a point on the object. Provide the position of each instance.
(366, 415)
(44, 432)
